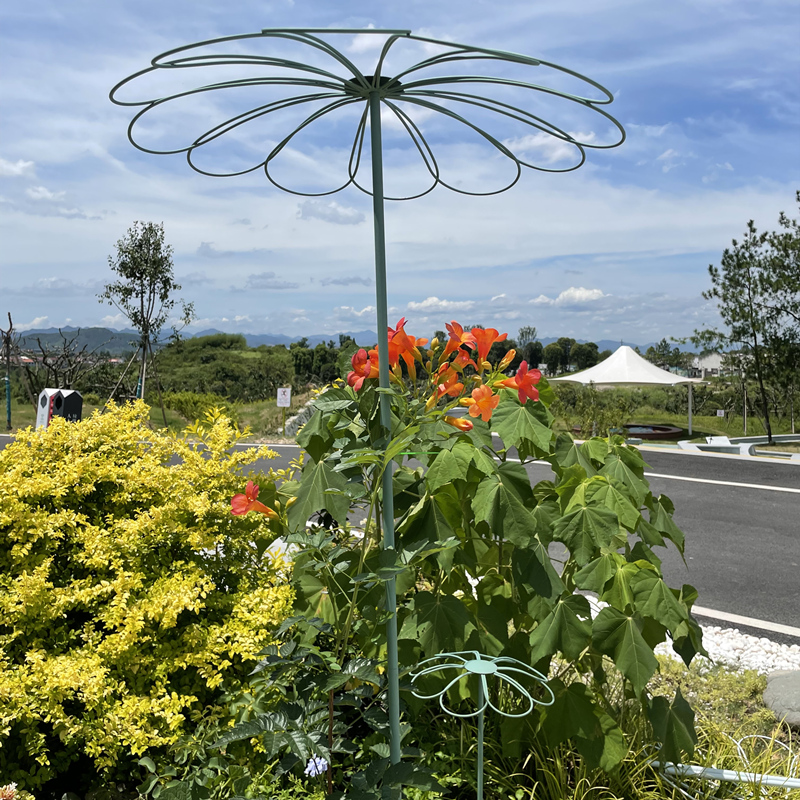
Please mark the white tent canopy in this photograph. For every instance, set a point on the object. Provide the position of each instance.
(625, 367)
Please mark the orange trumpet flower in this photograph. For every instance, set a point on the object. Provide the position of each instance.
(524, 382)
(451, 385)
(484, 339)
(458, 336)
(242, 504)
(483, 403)
(365, 365)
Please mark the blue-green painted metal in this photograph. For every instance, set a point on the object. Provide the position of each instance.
(503, 669)
(418, 87)
(387, 499)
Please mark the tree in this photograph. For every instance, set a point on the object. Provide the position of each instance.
(145, 286)
(742, 290)
(533, 353)
(526, 335)
(553, 356)
(781, 274)
(584, 355)
(565, 344)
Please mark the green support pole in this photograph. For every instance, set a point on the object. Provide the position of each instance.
(392, 666)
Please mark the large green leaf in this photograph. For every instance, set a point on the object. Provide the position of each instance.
(515, 423)
(619, 592)
(606, 750)
(673, 725)
(614, 498)
(662, 521)
(440, 623)
(653, 598)
(594, 576)
(450, 465)
(585, 530)
(568, 454)
(494, 609)
(516, 479)
(573, 713)
(320, 487)
(500, 507)
(617, 469)
(619, 636)
(534, 572)
(315, 437)
(566, 629)
(427, 522)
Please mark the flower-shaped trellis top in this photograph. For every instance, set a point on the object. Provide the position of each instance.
(465, 664)
(413, 96)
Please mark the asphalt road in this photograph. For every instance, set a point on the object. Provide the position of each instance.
(741, 517)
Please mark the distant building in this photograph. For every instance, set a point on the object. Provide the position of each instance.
(707, 366)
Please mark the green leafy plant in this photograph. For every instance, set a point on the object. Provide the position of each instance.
(476, 561)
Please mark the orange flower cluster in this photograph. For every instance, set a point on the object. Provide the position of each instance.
(464, 348)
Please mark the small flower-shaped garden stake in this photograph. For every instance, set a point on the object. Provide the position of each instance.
(311, 75)
(504, 669)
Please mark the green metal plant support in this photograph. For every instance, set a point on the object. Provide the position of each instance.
(503, 669)
(313, 74)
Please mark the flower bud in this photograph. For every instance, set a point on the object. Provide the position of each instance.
(434, 343)
(432, 400)
(465, 401)
(458, 422)
(507, 359)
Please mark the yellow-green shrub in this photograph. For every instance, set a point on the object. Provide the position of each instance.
(128, 591)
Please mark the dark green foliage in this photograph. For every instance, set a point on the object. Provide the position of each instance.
(222, 364)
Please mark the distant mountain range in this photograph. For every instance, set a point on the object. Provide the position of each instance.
(117, 342)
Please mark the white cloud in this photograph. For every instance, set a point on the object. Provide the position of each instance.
(498, 297)
(550, 148)
(348, 312)
(36, 322)
(366, 42)
(329, 211)
(575, 295)
(42, 193)
(115, 321)
(261, 281)
(13, 169)
(433, 305)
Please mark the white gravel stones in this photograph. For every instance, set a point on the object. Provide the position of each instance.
(741, 651)
(736, 650)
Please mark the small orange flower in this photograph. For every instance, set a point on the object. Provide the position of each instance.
(458, 336)
(524, 382)
(451, 385)
(241, 504)
(461, 360)
(364, 366)
(483, 403)
(484, 339)
(459, 422)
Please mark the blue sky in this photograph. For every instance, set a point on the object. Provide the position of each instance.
(707, 92)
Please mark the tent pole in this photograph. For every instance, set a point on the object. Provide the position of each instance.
(690, 409)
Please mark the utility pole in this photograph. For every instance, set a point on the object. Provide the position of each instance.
(7, 351)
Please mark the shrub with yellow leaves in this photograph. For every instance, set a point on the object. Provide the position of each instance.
(130, 596)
